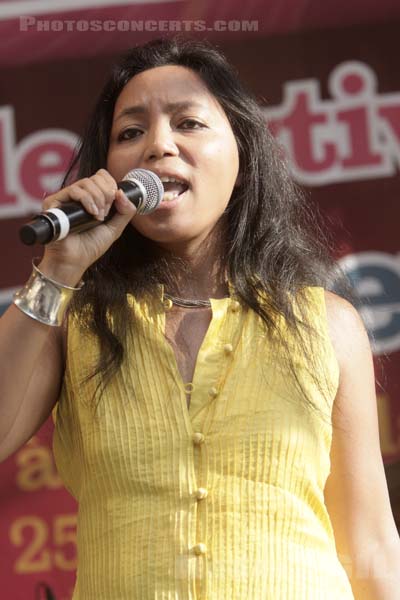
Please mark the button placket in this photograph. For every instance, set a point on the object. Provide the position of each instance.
(235, 306)
(200, 549)
(213, 392)
(210, 361)
(209, 379)
(198, 438)
(201, 493)
(228, 349)
(188, 387)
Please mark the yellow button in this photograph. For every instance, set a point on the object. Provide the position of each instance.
(198, 438)
(201, 493)
(228, 348)
(213, 392)
(168, 304)
(188, 387)
(235, 306)
(200, 549)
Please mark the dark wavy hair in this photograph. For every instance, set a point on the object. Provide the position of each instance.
(275, 245)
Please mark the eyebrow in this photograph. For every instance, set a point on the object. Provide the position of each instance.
(139, 109)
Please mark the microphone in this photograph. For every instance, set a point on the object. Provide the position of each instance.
(142, 187)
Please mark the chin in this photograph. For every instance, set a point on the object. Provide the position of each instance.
(175, 234)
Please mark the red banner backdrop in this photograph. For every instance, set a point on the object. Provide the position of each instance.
(42, 30)
(333, 100)
(37, 525)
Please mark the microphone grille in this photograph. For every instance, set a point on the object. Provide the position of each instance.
(153, 187)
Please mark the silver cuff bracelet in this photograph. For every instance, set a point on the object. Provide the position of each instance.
(44, 299)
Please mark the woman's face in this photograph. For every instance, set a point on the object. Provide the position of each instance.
(165, 120)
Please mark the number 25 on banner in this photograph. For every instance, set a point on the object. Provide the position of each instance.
(32, 534)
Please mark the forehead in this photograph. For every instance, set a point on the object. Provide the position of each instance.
(166, 86)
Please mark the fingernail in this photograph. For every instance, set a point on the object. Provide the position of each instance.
(95, 209)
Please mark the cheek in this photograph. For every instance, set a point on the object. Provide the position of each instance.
(119, 163)
(221, 153)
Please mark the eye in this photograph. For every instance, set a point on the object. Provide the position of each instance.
(129, 134)
(193, 124)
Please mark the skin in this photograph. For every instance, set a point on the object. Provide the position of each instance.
(196, 141)
(356, 493)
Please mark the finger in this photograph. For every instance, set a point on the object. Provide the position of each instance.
(123, 205)
(107, 187)
(97, 195)
(126, 210)
(107, 178)
(73, 192)
(103, 198)
(54, 200)
(89, 203)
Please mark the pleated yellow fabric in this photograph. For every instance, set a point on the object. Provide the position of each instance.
(223, 500)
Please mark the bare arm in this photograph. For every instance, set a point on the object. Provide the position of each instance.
(31, 353)
(31, 370)
(356, 493)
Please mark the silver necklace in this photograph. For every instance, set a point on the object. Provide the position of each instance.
(188, 303)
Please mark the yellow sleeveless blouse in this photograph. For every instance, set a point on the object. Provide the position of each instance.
(221, 501)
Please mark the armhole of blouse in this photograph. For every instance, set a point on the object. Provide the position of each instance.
(64, 345)
(64, 342)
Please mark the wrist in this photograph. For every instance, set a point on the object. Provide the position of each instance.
(45, 299)
(60, 272)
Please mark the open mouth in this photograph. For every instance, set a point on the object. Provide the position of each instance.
(173, 189)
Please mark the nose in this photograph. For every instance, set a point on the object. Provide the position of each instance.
(160, 143)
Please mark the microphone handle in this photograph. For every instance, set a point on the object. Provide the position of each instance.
(48, 226)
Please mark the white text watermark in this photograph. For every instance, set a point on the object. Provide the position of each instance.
(31, 23)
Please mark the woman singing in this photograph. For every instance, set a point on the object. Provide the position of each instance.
(216, 414)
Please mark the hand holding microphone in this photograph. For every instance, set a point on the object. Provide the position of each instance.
(79, 208)
(141, 187)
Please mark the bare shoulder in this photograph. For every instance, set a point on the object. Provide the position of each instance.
(356, 492)
(346, 328)
(340, 308)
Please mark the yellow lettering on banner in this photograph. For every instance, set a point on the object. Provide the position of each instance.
(34, 557)
(36, 469)
(65, 533)
(32, 533)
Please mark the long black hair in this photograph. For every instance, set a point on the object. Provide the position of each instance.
(275, 246)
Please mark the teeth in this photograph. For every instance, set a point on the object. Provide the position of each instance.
(172, 194)
(171, 179)
(168, 196)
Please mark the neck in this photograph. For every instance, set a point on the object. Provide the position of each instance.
(204, 276)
